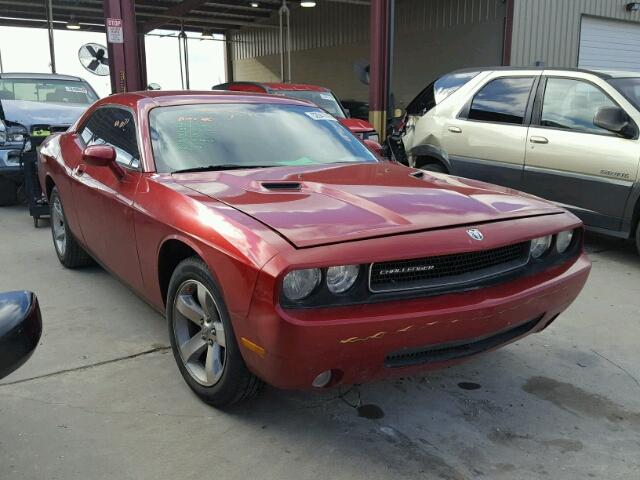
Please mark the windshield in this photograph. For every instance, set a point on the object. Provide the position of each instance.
(629, 87)
(324, 100)
(249, 135)
(49, 91)
(437, 91)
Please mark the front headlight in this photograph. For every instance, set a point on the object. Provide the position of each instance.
(3, 132)
(563, 240)
(16, 134)
(540, 245)
(298, 284)
(341, 278)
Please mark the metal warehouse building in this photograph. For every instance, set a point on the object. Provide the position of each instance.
(435, 36)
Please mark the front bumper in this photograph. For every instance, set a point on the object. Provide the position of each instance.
(10, 166)
(360, 343)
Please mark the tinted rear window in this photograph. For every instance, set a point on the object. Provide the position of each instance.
(503, 100)
(437, 91)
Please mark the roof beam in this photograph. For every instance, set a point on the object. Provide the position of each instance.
(178, 11)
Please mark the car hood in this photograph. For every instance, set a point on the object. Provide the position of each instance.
(356, 125)
(317, 205)
(40, 113)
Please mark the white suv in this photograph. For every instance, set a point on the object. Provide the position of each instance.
(570, 136)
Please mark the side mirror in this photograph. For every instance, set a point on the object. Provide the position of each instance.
(20, 329)
(616, 120)
(102, 156)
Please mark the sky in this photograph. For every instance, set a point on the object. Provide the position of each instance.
(27, 50)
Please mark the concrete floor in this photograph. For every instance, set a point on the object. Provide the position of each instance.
(102, 398)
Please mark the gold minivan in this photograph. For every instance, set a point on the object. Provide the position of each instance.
(570, 136)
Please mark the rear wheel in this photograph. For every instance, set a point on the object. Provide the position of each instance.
(8, 192)
(69, 252)
(202, 338)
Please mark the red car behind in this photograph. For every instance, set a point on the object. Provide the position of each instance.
(321, 96)
(282, 250)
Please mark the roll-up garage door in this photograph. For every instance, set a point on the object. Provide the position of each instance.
(609, 45)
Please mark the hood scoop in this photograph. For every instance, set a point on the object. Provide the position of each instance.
(282, 186)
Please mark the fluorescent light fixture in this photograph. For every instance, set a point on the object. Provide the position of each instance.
(254, 4)
(72, 24)
(307, 3)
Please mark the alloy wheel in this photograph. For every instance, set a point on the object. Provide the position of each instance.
(58, 224)
(199, 333)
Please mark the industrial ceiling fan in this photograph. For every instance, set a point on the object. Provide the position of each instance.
(94, 58)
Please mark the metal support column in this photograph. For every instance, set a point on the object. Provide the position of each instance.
(125, 67)
(52, 53)
(228, 59)
(378, 70)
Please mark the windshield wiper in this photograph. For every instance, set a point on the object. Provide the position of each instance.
(213, 168)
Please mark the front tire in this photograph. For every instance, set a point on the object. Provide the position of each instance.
(202, 338)
(67, 248)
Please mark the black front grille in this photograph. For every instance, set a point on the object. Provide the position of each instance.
(453, 351)
(446, 270)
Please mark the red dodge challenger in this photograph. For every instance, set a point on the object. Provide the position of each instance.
(282, 250)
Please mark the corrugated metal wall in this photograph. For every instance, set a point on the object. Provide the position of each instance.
(332, 24)
(548, 31)
(432, 15)
(324, 26)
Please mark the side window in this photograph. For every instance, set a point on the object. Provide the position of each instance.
(114, 126)
(572, 104)
(503, 100)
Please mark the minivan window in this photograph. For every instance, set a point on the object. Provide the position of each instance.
(503, 100)
(629, 88)
(437, 91)
(571, 104)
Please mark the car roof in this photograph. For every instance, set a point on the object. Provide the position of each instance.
(279, 86)
(181, 97)
(600, 73)
(296, 86)
(41, 76)
(619, 73)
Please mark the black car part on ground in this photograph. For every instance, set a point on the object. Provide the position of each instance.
(20, 329)
(393, 147)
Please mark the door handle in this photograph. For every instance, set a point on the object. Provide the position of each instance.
(455, 129)
(79, 171)
(535, 139)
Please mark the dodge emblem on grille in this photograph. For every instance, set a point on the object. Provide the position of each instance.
(475, 234)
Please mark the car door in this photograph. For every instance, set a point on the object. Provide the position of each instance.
(487, 139)
(571, 161)
(104, 200)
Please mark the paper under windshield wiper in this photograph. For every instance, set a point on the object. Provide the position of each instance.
(213, 168)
